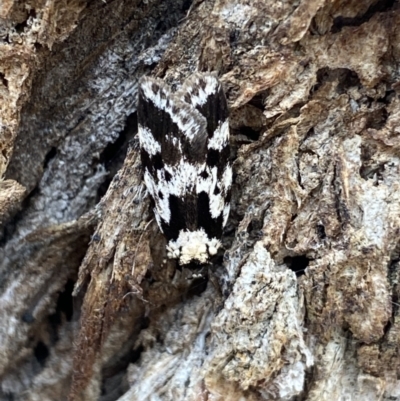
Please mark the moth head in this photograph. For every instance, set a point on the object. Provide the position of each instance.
(192, 246)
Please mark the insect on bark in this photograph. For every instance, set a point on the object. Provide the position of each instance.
(184, 141)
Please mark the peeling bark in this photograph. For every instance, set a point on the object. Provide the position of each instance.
(304, 302)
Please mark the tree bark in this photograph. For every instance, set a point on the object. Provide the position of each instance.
(304, 302)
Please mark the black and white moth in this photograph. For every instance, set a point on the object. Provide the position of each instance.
(184, 141)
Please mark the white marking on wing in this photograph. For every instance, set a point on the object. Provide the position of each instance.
(220, 138)
(147, 141)
(193, 125)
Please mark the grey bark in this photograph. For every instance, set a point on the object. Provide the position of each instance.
(304, 304)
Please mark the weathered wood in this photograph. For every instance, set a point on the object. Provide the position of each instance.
(304, 303)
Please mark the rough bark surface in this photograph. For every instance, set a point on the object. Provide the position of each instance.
(304, 302)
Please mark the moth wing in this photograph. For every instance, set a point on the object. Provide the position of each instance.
(179, 129)
(205, 93)
(173, 140)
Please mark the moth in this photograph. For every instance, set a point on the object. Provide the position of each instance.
(184, 144)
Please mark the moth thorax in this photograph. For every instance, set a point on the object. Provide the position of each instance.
(193, 246)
